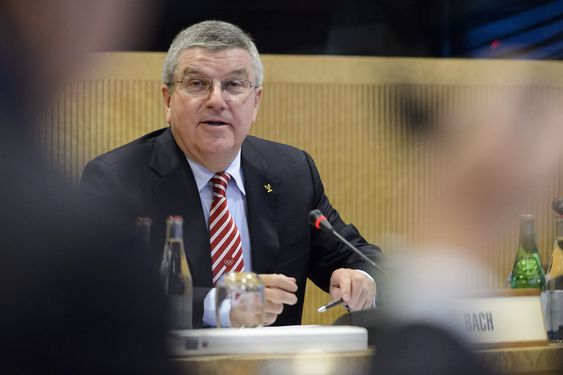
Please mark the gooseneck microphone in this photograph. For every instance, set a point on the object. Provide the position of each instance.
(319, 221)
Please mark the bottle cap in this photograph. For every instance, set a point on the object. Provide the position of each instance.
(175, 218)
(143, 220)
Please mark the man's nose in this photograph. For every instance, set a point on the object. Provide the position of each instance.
(216, 97)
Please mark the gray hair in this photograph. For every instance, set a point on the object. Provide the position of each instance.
(213, 36)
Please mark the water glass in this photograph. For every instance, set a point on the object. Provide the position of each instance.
(244, 293)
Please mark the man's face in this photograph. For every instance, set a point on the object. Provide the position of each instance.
(210, 128)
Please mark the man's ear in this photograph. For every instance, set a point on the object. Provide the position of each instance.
(257, 98)
(166, 95)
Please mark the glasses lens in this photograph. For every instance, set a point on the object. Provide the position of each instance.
(235, 86)
(196, 86)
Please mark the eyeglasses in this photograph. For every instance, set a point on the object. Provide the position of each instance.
(199, 86)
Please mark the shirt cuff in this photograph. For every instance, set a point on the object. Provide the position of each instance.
(209, 311)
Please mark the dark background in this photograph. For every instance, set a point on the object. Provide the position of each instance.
(525, 29)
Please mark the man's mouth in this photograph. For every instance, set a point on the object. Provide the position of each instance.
(215, 123)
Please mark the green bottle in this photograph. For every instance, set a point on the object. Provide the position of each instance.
(527, 271)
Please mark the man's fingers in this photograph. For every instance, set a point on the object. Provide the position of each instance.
(341, 279)
(354, 299)
(356, 289)
(279, 291)
(273, 307)
(368, 303)
(358, 299)
(269, 318)
(279, 296)
(335, 293)
(279, 281)
(360, 294)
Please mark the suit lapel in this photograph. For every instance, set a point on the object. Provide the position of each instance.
(262, 195)
(176, 191)
(177, 194)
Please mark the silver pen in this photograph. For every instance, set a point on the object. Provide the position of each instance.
(330, 305)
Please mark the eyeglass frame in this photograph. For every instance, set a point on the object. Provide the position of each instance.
(210, 87)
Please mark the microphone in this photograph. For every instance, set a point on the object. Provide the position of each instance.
(319, 221)
(557, 206)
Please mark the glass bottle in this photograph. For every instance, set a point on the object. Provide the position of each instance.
(554, 286)
(176, 276)
(527, 271)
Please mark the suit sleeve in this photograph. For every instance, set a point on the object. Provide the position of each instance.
(328, 253)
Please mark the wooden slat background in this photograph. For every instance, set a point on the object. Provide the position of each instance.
(350, 113)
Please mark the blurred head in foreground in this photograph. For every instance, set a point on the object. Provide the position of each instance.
(496, 153)
(73, 301)
(495, 150)
(47, 43)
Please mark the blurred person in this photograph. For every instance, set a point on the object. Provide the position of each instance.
(425, 349)
(212, 85)
(494, 158)
(73, 299)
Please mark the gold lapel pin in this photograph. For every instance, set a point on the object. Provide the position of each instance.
(268, 188)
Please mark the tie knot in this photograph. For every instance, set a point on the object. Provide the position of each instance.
(220, 182)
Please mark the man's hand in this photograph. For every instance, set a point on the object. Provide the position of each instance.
(356, 288)
(279, 290)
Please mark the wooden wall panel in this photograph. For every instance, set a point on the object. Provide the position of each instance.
(351, 114)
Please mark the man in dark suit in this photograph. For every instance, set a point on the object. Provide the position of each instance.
(212, 85)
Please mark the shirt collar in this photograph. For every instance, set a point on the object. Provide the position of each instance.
(202, 175)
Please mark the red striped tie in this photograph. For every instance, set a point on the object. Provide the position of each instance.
(226, 247)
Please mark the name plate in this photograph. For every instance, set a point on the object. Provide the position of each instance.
(512, 317)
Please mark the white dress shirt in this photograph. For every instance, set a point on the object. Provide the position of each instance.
(236, 202)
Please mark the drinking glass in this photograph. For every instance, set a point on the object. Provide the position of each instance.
(244, 293)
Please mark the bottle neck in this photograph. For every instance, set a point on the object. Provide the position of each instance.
(528, 235)
(174, 230)
(555, 269)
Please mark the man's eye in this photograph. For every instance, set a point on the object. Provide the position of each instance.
(234, 84)
(196, 84)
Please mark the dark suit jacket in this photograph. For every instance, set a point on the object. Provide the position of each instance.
(151, 177)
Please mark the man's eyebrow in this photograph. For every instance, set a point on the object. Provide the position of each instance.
(190, 70)
(236, 72)
(240, 72)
